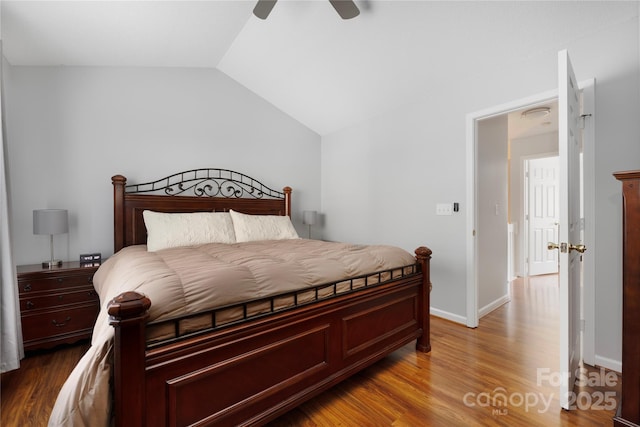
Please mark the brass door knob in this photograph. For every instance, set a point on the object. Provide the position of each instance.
(563, 247)
(579, 248)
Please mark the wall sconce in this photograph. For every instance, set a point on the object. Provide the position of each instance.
(50, 221)
(309, 218)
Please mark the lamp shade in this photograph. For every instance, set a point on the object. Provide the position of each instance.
(309, 217)
(50, 221)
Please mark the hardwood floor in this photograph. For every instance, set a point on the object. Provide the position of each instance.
(514, 353)
(27, 395)
(504, 373)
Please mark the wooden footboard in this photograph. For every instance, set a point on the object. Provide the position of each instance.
(250, 373)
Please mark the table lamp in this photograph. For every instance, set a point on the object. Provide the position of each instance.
(309, 218)
(50, 221)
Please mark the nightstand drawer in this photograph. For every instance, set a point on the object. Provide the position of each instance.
(54, 283)
(32, 302)
(54, 323)
(57, 305)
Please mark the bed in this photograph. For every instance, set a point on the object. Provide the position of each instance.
(253, 357)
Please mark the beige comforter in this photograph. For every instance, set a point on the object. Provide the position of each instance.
(182, 280)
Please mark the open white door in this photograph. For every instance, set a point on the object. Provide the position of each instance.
(569, 244)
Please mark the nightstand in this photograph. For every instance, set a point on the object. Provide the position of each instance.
(57, 305)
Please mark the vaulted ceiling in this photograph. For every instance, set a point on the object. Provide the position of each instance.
(326, 72)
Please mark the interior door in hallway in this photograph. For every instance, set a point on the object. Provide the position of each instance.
(542, 215)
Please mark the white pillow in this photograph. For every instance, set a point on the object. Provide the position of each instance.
(250, 228)
(169, 230)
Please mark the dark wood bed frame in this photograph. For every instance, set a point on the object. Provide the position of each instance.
(252, 371)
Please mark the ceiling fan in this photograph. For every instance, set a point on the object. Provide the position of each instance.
(347, 9)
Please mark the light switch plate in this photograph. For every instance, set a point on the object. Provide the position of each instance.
(444, 209)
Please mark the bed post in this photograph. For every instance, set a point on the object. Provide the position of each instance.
(128, 314)
(423, 256)
(287, 201)
(118, 182)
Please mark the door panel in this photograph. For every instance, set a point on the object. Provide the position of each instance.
(570, 141)
(543, 199)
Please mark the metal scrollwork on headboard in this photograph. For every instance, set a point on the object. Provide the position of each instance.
(207, 183)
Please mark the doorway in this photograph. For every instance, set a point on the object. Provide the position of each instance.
(473, 167)
(497, 197)
(516, 174)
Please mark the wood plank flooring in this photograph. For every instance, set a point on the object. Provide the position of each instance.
(504, 373)
(27, 395)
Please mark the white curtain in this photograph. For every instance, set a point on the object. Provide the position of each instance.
(11, 349)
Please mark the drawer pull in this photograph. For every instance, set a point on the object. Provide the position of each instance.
(30, 304)
(27, 287)
(59, 325)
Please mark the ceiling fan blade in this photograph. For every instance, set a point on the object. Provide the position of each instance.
(263, 8)
(347, 9)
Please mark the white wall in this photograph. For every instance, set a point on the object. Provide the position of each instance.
(492, 205)
(70, 129)
(381, 179)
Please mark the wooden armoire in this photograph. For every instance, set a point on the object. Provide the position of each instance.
(628, 413)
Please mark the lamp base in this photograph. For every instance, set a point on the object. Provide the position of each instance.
(52, 263)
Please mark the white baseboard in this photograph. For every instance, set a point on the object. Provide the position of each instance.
(449, 316)
(605, 362)
(493, 305)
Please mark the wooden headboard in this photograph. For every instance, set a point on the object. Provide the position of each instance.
(197, 190)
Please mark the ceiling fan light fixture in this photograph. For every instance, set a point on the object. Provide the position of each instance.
(263, 8)
(536, 113)
(347, 9)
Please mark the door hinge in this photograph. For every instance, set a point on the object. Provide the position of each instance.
(582, 120)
